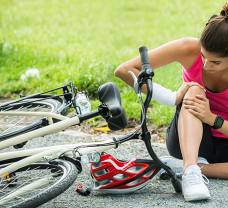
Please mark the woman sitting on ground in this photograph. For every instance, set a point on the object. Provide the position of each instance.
(200, 124)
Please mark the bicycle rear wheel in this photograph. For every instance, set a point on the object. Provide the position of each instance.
(13, 125)
(37, 183)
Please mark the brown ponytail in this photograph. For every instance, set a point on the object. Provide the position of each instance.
(224, 11)
(214, 37)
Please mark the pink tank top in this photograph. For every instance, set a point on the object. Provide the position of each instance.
(218, 101)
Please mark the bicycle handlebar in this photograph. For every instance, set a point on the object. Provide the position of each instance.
(144, 55)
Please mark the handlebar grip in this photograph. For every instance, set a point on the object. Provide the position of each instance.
(144, 55)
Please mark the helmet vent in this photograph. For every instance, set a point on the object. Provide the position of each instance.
(103, 182)
(101, 172)
(120, 176)
(148, 174)
(135, 182)
(134, 169)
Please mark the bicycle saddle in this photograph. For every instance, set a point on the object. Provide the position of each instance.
(109, 95)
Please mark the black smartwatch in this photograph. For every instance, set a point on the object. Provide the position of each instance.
(218, 122)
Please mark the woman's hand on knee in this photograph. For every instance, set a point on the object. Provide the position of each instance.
(199, 106)
(184, 89)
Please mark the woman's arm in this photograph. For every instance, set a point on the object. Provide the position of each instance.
(167, 97)
(183, 51)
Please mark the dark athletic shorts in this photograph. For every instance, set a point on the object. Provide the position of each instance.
(214, 149)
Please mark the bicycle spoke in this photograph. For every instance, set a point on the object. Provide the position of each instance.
(25, 184)
(13, 123)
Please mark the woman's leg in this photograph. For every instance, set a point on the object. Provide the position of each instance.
(190, 131)
(219, 168)
(214, 150)
(215, 170)
(207, 146)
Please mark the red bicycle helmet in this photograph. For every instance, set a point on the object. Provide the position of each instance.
(111, 175)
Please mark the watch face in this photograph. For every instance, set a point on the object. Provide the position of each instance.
(218, 122)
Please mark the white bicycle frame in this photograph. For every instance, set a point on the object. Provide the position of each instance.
(45, 153)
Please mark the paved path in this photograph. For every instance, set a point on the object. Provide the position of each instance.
(157, 194)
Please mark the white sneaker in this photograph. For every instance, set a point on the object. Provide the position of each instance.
(193, 184)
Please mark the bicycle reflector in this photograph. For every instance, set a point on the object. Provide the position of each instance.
(114, 176)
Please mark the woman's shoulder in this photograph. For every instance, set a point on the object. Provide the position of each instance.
(189, 45)
(191, 48)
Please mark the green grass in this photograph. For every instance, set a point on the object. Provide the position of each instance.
(85, 41)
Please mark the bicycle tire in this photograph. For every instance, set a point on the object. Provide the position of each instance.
(9, 129)
(67, 169)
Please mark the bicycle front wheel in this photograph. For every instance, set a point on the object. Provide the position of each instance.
(13, 125)
(36, 184)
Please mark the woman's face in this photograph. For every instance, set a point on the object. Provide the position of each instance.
(214, 63)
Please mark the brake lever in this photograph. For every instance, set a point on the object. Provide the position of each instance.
(136, 85)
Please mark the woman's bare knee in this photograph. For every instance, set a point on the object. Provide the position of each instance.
(194, 90)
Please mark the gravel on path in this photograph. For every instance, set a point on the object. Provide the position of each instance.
(157, 193)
